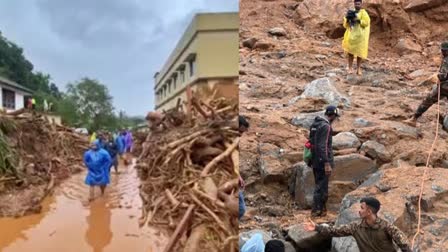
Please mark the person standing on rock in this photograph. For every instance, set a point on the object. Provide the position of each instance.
(98, 163)
(372, 234)
(356, 37)
(322, 162)
(243, 126)
(432, 97)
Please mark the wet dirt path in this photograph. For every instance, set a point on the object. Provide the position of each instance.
(69, 223)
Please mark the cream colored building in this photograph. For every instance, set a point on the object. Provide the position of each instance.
(206, 59)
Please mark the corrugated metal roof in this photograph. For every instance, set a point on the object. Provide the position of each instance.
(15, 85)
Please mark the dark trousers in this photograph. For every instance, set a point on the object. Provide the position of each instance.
(320, 196)
(431, 99)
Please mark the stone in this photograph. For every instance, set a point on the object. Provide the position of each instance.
(249, 43)
(293, 157)
(277, 31)
(407, 46)
(324, 88)
(422, 5)
(304, 240)
(245, 236)
(262, 45)
(353, 167)
(270, 165)
(348, 171)
(376, 150)
(306, 119)
(345, 140)
(361, 122)
(445, 122)
(418, 73)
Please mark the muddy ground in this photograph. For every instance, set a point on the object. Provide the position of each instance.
(277, 65)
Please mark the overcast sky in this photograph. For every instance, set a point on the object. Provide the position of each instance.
(121, 43)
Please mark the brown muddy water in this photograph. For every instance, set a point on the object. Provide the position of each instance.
(69, 223)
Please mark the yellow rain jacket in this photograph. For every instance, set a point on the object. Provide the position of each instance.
(356, 40)
(93, 137)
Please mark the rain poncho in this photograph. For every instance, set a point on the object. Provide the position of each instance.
(120, 144)
(98, 164)
(128, 141)
(254, 244)
(356, 39)
(93, 137)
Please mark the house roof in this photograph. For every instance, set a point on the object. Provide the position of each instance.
(12, 84)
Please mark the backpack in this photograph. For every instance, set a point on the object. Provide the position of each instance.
(309, 144)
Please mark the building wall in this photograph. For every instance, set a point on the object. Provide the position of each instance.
(19, 100)
(218, 54)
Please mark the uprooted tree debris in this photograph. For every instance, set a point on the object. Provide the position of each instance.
(184, 166)
(35, 155)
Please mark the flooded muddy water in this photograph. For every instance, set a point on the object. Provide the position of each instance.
(68, 222)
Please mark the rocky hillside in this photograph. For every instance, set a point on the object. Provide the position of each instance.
(292, 66)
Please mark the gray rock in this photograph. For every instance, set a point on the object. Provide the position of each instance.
(406, 45)
(417, 73)
(345, 140)
(250, 42)
(270, 165)
(445, 123)
(288, 246)
(376, 150)
(361, 122)
(245, 236)
(324, 88)
(305, 120)
(277, 31)
(353, 167)
(348, 168)
(304, 240)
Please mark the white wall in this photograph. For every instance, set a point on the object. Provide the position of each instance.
(19, 100)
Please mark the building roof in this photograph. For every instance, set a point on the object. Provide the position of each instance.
(12, 84)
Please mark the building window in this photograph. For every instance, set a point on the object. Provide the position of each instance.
(9, 99)
(174, 81)
(169, 87)
(192, 66)
(182, 76)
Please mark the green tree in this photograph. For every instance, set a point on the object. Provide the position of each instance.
(92, 102)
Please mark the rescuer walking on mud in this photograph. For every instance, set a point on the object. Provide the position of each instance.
(356, 37)
(372, 234)
(112, 148)
(98, 163)
(322, 158)
(431, 98)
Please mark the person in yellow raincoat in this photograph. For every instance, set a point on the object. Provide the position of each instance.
(356, 37)
(93, 137)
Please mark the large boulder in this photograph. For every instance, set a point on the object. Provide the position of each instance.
(422, 5)
(397, 189)
(376, 150)
(387, 133)
(325, 88)
(305, 120)
(305, 241)
(277, 31)
(407, 46)
(345, 140)
(270, 165)
(348, 171)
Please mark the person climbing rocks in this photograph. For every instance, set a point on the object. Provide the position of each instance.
(322, 162)
(432, 97)
(356, 37)
(98, 162)
(112, 148)
(372, 234)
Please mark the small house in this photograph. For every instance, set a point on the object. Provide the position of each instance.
(12, 95)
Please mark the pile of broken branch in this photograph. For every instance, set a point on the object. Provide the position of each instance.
(185, 168)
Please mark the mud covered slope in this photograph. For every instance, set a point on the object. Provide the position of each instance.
(38, 156)
(292, 66)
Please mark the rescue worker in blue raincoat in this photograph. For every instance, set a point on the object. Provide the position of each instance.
(112, 148)
(98, 163)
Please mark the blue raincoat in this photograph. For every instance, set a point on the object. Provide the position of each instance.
(98, 164)
(254, 244)
(121, 144)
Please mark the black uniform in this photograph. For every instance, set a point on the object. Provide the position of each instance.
(321, 139)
